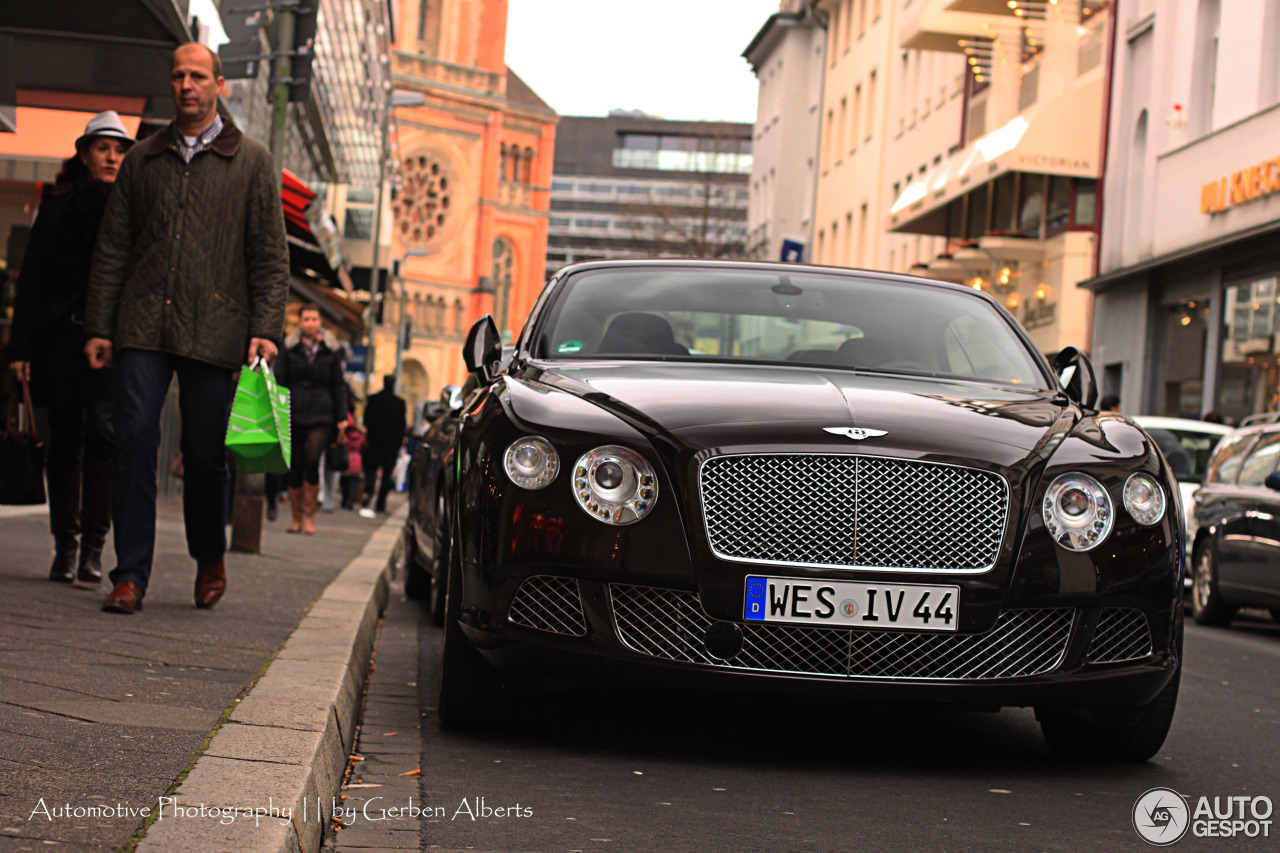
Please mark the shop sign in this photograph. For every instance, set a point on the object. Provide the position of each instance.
(1246, 185)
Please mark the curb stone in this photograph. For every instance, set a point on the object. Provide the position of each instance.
(280, 757)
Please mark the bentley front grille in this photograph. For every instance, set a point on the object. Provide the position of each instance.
(847, 510)
(671, 624)
(549, 603)
(1123, 633)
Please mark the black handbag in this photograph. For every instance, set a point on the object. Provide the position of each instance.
(21, 454)
(336, 457)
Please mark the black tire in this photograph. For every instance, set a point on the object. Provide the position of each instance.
(1207, 606)
(1078, 738)
(417, 580)
(467, 700)
(440, 572)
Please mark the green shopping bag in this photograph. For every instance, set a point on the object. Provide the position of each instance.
(258, 431)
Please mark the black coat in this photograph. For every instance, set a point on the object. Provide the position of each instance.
(48, 318)
(385, 424)
(317, 391)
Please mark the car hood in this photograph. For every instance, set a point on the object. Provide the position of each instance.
(722, 406)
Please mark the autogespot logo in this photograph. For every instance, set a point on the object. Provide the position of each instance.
(1160, 816)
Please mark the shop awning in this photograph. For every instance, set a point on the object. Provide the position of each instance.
(99, 56)
(1059, 137)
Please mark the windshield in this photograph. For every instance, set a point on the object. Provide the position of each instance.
(799, 319)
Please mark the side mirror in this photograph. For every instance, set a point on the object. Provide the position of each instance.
(451, 399)
(483, 350)
(1273, 481)
(1075, 373)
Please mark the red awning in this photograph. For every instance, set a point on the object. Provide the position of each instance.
(295, 196)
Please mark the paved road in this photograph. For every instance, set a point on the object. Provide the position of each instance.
(630, 771)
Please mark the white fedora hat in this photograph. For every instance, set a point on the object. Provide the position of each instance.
(106, 124)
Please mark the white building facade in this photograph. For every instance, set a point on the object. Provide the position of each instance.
(1006, 200)
(1188, 317)
(787, 58)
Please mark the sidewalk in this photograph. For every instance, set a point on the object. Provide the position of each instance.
(104, 710)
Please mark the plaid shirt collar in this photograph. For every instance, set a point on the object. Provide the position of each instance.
(202, 141)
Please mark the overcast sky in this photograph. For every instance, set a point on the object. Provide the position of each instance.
(678, 59)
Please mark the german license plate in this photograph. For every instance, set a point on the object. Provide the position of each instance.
(852, 604)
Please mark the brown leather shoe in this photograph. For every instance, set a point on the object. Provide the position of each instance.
(125, 598)
(211, 583)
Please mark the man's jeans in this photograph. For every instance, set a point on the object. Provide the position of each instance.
(204, 401)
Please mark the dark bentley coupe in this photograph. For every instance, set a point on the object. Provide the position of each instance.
(797, 479)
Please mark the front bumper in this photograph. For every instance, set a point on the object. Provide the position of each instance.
(575, 629)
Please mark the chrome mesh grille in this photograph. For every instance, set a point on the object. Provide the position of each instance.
(847, 510)
(671, 624)
(549, 604)
(1123, 633)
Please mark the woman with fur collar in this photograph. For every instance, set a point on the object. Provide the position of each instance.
(310, 366)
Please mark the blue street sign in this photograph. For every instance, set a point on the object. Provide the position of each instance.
(792, 251)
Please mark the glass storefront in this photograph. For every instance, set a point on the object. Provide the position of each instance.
(1250, 357)
(1185, 335)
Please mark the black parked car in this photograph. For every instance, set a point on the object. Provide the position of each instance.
(797, 479)
(1236, 547)
(426, 534)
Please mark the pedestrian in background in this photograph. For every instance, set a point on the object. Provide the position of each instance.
(353, 477)
(1109, 403)
(384, 423)
(47, 347)
(311, 368)
(190, 277)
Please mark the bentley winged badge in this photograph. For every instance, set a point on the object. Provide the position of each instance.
(856, 433)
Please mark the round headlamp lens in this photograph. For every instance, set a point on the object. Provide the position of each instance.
(531, 462)
(1077, 511)
(615, 485)
(1144, 499)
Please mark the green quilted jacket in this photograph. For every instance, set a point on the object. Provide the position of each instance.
(191, 258)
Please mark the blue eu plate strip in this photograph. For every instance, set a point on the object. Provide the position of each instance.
(754, 608)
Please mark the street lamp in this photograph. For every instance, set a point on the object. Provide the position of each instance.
(402, 327)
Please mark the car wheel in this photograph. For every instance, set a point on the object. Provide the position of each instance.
(417, 580)
(1078, 738)
(466, 698)
(440, 571)
(1207, 606)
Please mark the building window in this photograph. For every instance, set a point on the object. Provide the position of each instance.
(1086, 203)
(458, 316)
(871, 106)
(501, 277)
(424, 13)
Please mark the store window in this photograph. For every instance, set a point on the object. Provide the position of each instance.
(1004, 193)
(1058, 212)
(1186, 334)
(1031, 206)
(1250, 364)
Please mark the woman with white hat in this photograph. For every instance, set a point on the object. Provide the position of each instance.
(47, 348)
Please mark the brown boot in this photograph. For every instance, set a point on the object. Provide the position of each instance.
(211, 583)
(297, 506)
(311, 494)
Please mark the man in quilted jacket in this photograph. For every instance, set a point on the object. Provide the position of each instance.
(190, 277)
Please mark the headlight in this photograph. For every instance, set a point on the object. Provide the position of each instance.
(615, 485)
(1077, 511)
(531, 462)
(1144, 499)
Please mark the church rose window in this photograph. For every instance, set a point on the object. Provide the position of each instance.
(422, 208)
